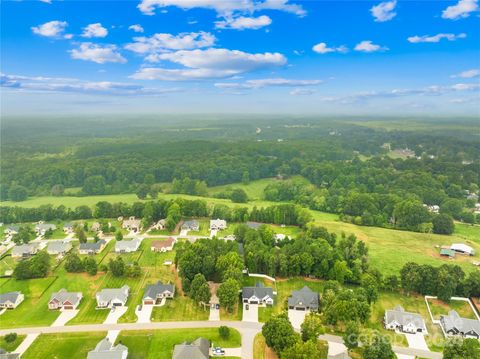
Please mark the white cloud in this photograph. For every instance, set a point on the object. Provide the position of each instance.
(136, 28)
(51, 29)
(261, 83)
(322, 48)
(465, 87)
(209, 64)
(369, 46)
(384, 11)
(468, 74)
(223, 7)
(50, 84)
(302, 92)
(97, 53)
(242, 23)
(160, 43)
(460, 10)
(94, 30)
(46, 1)
(436, 38)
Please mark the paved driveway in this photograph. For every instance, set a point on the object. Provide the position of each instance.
(143, 315)
(250, 315)
(64, 317)
(214, 314)
(417, 341)
(297, 317)
(29, 339)
(115, 314)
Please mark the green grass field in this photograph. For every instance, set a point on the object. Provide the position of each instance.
(439, 308)
(10, 347)
(159, 344)
(63, 346)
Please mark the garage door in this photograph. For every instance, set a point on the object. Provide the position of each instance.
(117, 304)
(68, 307)
(254, 302)
(147, 302)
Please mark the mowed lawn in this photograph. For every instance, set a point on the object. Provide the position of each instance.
(10, 347)
(63, 346)
(159, 344)
(439, 308)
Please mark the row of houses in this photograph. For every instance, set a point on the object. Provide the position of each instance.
(106, 298)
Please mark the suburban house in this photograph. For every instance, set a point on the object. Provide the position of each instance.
(112, 297)
(11, 230)
(230, 237)
(304, 299)
(6, 355)
(399, 319)
(453, 324)
(106, 350)
(11, 300)
(68, 228)
(154, 293)
(258, 294)
(433, 209)
(161, 224)
(462, 248)
(59, 247)
(92, 247)
(254, 225)
(218, 224)
(24, 250)
(96, 227)
(128, 246)
(198, 349)
(192, 225)
(65, 300)
(132, 224)
(42, 228)
(163, 246)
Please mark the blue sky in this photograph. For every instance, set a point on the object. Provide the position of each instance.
(241, 56)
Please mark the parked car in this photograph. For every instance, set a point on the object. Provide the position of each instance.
(247, 307)
(217, 306)
(218, 352)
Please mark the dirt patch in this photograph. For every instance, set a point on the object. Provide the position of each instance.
(270, 354)
(178, 282)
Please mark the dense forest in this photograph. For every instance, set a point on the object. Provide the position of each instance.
(371, 173)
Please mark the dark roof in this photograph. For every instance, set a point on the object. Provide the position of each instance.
(9, 297)
(94, 246)
(453, 321)
(199, 349)
(304, 297)
(153, 290)
(258, 291)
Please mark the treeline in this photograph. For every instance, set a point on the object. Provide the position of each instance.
(152, 211)
(315, 253)
(445, 281)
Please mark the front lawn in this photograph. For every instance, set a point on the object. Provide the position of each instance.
(10, 347)
(181, 308)
(159, 344)
(63, 346)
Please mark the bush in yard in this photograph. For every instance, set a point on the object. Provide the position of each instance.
(279, 334)
(117, 267)
(90, 265)
(10, 337)
(228, 293)
(311, 327)
(224, 332)
(443, 224)
(73, 263)
(118, 236)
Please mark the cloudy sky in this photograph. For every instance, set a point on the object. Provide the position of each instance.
(240, 56)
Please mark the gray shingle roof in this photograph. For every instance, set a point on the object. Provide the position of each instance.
(190, 224)
(24, 249)
(258, 291)
(400, 316)
(92, 246)
(6, 355)
(304, 297)
(62, 296)
(45, 226)
(108, 294)
(59, 247)
(254, 225)
(131, 245)
(106, 350)
(199, 349)
(153, 290)
(453, 321)
(9, 297)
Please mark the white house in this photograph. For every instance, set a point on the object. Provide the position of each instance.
(258, 295)
(11, 300)
(64, 300)
(160, 225)
(462, 248)
(42, 228)
(128, 246)
(399, 319)
(132, 224)
(218, 224)
(112, 297)
(163, 246)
